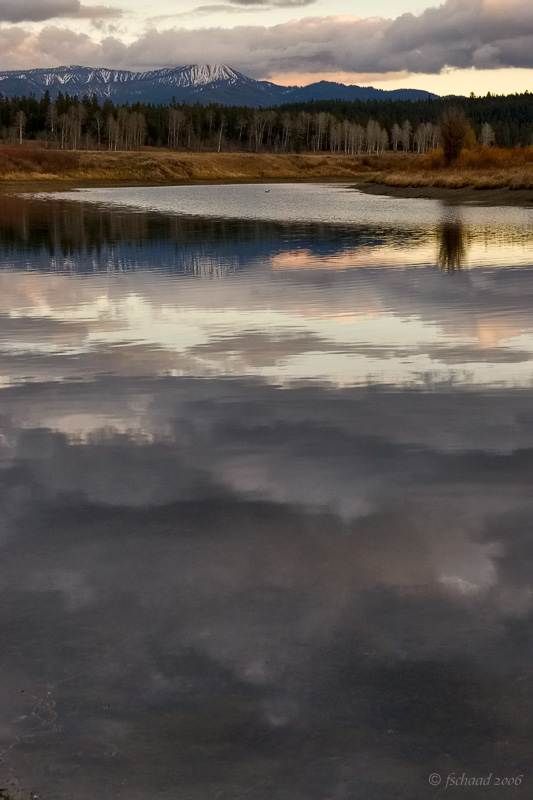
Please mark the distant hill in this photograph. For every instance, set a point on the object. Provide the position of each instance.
(197, 83)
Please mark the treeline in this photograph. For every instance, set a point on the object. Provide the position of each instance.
(510, 116)
(69, 123)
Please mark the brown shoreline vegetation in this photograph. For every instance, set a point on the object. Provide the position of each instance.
(482, 174)
(160, 165)
(479, 167)
(478, 172)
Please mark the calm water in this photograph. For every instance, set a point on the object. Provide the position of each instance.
(266, 518)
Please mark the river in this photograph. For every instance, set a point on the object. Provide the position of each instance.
(265, 495)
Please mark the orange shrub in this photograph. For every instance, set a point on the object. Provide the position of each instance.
(470, 139)
(480, 158)
(433, 159)
(483, 157)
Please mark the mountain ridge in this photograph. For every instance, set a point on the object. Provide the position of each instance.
(192, 83)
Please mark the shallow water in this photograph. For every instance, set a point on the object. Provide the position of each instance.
(265, 506)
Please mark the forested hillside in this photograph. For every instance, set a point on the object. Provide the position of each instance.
(510, 116)
(332, 125)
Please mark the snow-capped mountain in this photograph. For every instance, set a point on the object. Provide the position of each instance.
(195, 83)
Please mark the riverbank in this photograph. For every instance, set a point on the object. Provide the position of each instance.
(155, 165)
(488, 175)
(481, 176)
(497, 196)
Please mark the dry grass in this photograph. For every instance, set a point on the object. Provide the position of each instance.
(35, 162)
(156, 165)
(164, 165)
(478, 168)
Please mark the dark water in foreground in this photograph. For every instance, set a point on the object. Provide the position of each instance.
(266, 519)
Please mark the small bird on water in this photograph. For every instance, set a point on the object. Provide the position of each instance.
(267, 191)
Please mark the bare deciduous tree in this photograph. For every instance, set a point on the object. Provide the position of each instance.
(220, 132)
(453, 128)
(424, 137)
(51, 119)
(373, 134)
(321, 122)
(98, 124)
(76, 115)
(175, 120)
(20, 124)
(407, 132)
(113, 132)
(487, 135)
(396, 136)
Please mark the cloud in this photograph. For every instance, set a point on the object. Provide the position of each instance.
(281, 3)
(455, 34)
(233, 7)
(98, 12)
(41, 10)
(242, 6)
(218, 9)
(470, 33)
(271, 3)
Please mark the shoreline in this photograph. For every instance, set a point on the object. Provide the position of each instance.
(70, 184)
(170, 167)
(373, 175)
(520, 198)
(498, 196)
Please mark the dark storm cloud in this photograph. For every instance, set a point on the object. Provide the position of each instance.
(41, 10)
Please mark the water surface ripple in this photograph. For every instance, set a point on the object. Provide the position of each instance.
(265, 495)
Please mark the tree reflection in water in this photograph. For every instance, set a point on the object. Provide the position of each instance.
(452, 246)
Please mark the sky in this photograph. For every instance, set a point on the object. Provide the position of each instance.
(459, 46)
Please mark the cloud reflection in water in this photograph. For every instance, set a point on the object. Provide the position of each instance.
(212, 586)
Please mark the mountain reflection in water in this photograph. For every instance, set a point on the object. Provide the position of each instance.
(265, 502)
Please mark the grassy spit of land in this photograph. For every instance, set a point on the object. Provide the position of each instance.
(159, 165)
(479, 167)
(485, 174)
